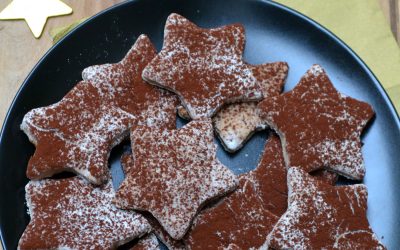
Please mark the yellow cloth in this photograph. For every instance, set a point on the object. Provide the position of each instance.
(363, 27)
(59, 32)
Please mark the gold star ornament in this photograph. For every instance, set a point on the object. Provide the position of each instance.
(35, 12)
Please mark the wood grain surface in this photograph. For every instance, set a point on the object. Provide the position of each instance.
(20, 51)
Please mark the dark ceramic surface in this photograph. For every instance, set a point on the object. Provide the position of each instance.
(273, 33)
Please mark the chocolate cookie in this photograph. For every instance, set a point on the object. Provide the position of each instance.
(147, 242)
(321, 216)
(269, 177)
(163, 236)
(204, 67)
(175, 173)
(172, 244)
(72, 214)
(235, 123)
(326, 176)
(319, 127)
(77, 133)
(240, 219)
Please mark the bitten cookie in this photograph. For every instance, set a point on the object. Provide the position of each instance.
(319, 127)
(78, 133)
(72, 214)
(175, 173)
(204, 67)
(321, 216)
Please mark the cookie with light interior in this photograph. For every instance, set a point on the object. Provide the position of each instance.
(175, 173)
(77, 133)
(204, 67)
(319, 127)
(322, 216)
(172, 244)
(235, 123)
(73, 214)
(147, 242)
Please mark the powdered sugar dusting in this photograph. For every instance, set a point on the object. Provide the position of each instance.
(175, 173)
(235, 123)
(147, 242)
(95, 116)
(203, 66)
(321, 216)
(72, 214)
(333, 153)
(162, 235)
(239, 220)
(324, 128)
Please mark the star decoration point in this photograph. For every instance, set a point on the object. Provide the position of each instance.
(71, 213)
(204, 67)
(174, 173)
(77, 133)
(319, 127)
(35, 13)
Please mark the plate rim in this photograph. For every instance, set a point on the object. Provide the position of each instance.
(321, 28)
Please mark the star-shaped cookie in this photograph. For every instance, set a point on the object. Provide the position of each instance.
(172, 244)
(204, 67)
(147, 242)
(163, 236)
(72, 214)
(240, 219)
(175, 173)
(321, 216)
(269, 177)
(77, 133)
(235, 123)
(319, 127)
(247, 216)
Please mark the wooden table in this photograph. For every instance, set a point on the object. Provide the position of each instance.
(20, 51)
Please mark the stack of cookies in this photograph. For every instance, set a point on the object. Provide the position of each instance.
(175, 189)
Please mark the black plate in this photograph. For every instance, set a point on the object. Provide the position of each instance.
(273, 33)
